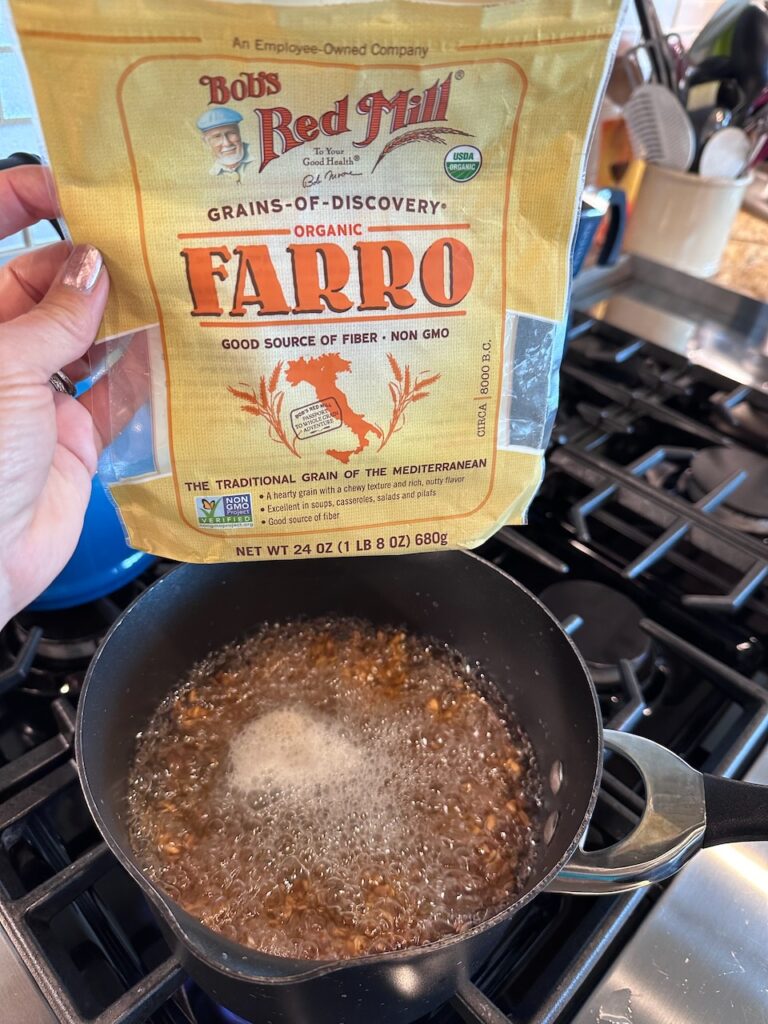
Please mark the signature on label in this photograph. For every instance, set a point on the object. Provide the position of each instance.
(311, 180)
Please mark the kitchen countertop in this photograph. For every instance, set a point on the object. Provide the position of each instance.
(744, 267)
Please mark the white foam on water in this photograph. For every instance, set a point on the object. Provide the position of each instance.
(293, 751)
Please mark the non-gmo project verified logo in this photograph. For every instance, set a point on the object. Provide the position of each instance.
(224, 510)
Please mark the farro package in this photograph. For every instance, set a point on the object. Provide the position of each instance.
(339, 241)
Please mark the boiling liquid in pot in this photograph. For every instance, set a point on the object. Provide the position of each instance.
(328, 789)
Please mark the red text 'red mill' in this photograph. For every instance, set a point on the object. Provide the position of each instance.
(280, 131)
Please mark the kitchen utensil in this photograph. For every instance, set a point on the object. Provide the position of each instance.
(749, 51)
(759, 151)
(636, 66)
(660, 129)
(758, 133)
(659, 52)
(717, 119)
(760, 101)
(706, 126)
(755, 123)
(678, 61)
(684, 220)
(756, 118)
(739, 52)
(711, 69)
(626, 75)
(471, 605)
(729, 94)
(714, 36)
(725, 154)
(594, 206)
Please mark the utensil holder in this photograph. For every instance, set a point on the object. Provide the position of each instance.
(683, 220)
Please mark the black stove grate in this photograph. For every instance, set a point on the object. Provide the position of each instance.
(52, 869)
(617, 371)
(630, 486)
(612, 511)
(660, 521)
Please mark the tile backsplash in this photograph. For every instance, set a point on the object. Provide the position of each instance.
(19, 130)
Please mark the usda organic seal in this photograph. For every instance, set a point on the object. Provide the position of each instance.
(463, 162)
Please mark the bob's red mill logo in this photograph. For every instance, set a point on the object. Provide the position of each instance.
(280, 130)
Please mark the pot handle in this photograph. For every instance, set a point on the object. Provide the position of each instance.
(736, 812)
(685, 810)
(670, 831)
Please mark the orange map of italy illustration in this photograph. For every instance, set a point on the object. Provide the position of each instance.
(321, 374)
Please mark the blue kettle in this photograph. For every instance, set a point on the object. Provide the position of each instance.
(102, 561)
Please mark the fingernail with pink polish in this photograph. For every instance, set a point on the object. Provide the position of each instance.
(82, 269)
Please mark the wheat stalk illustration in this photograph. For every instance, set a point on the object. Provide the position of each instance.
(433, 134)
(268, 404)
(403, 390)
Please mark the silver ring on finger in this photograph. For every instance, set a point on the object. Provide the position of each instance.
(60, 382)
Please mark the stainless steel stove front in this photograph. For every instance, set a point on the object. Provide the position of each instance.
(21, 1000)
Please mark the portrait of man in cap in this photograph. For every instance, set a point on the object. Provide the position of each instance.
(220, 128)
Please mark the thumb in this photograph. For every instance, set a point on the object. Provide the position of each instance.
(61, 328)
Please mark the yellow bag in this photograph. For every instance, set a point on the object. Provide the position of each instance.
(339, 243)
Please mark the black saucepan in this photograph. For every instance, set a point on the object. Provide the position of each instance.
(463, 601)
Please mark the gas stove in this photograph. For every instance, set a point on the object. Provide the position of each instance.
(649, 542)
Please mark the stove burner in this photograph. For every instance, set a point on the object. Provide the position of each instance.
(230, 1018)
(206, 1011)
(71, 636)
(746, 508)
(745, 422)
(610, 631)
(69, 639)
